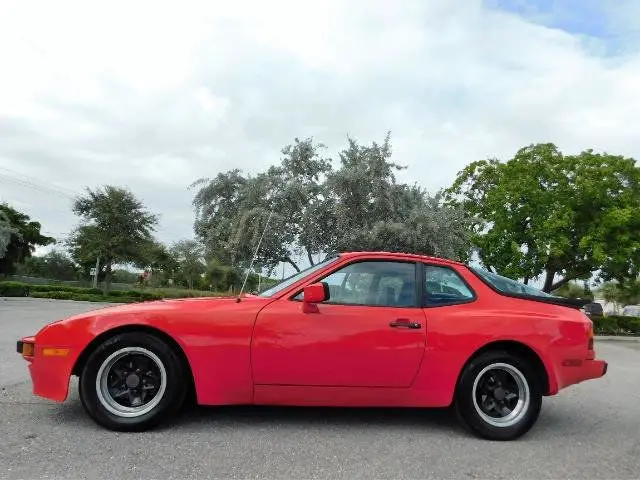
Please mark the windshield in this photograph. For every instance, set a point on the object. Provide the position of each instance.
(507, 285)
(287, 282)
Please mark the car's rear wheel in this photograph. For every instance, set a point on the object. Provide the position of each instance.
(132, 382)
(499, 396)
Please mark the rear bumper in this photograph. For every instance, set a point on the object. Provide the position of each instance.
(595, 369)
(586, 370)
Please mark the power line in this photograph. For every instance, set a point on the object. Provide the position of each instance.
(36, 180)
(44, 187)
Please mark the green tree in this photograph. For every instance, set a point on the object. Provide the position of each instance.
(116, 228)
(232, 210)
(6, 232)
(55, 264)
(573, 290)
(544, 213)
(188, 256)
(222, 278)
(626, 293)
(18, 238)
(372, 211)
(313, 210)
(121, 275)
(158, 261)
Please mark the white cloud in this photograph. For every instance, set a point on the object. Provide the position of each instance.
(153, 95)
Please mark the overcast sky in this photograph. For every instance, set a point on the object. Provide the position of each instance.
(154, 95)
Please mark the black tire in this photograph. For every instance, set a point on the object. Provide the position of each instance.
(169, 400)
(506, 367)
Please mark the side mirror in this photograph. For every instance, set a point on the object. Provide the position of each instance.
(313, 294)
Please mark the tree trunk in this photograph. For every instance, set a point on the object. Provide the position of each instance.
(526, 280)
(292, 263)
(309, 256)
(548, 281)
(560, 283)
(106, 286)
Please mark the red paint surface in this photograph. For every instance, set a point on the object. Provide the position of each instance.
(270, 351)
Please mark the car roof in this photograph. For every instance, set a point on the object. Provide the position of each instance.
(399, 255)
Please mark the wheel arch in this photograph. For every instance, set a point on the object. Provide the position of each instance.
(521, 350)
(102, 337)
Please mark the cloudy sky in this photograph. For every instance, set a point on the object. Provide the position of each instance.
(153, 95)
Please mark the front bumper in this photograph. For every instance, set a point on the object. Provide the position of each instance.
(49, 368)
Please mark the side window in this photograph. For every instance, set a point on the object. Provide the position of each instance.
(443, 286)
(377, 283)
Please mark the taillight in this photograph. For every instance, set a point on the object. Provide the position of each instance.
(590, 336)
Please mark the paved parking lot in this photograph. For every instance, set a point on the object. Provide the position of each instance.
(588, 431)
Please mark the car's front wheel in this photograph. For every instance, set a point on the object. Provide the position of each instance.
(132, 382)
(499, 397)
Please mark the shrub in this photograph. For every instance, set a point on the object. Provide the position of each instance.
(65, 288)
(627, 324)
(101, 298)
(52, 288)
(83, 297)
(122, 293)
(14, 289)
(145, 296)
(605, 325)
(57, 295)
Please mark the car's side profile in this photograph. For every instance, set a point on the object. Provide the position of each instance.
(359, 329)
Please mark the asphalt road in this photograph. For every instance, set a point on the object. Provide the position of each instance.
(589, 431)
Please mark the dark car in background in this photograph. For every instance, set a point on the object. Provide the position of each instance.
(593, 309)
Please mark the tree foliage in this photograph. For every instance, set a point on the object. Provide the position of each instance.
(232, 210)
(564, 216)
(6, 232)
(18, 238)
(314, 209)
(626, 293)
(188, 257)
(116, 227)
(574, 290)
(55, 265)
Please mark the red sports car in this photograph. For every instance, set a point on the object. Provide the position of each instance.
(359, 329)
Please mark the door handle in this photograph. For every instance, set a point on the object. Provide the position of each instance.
(405, 323)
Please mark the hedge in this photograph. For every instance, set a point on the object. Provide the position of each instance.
(83, 297)
(64, 288)
(616, 325)
(14, 289)
(66, 292)
(17, 289)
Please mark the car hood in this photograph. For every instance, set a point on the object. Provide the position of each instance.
(158, 307)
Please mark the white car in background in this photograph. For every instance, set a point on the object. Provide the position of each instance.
(631, 311)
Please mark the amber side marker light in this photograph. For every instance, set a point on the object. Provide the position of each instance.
(55, 352)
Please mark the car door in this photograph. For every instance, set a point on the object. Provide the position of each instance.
(370, 333)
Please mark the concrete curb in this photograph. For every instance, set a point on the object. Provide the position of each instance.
(616, 338)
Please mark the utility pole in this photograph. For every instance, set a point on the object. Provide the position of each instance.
(259, 278)
(95, 276)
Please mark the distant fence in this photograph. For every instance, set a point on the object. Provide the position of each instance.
(71, 283)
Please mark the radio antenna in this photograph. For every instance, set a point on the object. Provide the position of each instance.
(255, 254)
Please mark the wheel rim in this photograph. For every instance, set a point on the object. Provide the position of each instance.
(501, 395)
(131, 382)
